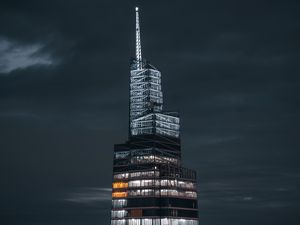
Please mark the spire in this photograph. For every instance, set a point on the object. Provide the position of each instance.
(138, 47)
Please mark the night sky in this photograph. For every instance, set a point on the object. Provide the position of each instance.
(231, 68)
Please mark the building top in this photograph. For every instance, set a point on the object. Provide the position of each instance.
(146, 97)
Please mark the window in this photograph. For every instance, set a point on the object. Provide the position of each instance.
(143, 183)
(172, 192)
(168, 183)
(121, 155)
(134, 183)
(136, 174)
(156, 222)
(190, 194)
(118, 222)
(121, 176)
(119, 194)
(147, 183)
(167, 221)
(134, 222)
(146, 221)
(118, 213)
(173, 212)
(145, 174)
(168, 192)
(141, 192)
(119, 203)
(187, 185)
(146, 192)
(120, 185)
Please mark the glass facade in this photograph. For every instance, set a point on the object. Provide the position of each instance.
(119, 203)
(150, 221)
(150, 186)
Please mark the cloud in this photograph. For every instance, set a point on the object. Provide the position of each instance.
(14, 56)
(19, 114)
(89, 195)
(215, 140)
(239, 193)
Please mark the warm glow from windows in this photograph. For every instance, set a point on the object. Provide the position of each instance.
(120, 185)
(119, 194)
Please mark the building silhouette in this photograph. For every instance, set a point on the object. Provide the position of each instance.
(150, 186)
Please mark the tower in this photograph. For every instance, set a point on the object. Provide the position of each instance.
(150, 186)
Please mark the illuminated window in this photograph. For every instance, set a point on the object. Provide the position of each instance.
(168, 221)
(119, 203)
(161, 183)
(146, 221)
(121, 155)
(118, 222)
(119, 194)
(118, 213)
(152, 158)
(134, 183)
(134, 222)
(121, 176)
(165, 221)
(172, 192)
(147, 183)
(136, 174)
(187, 185)
(168, 183)
(143, 183)
(168, 192)
(120, 185)
(190, 194)
(145, 174)
(141, 192)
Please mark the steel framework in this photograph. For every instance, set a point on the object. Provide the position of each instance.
(150, 186)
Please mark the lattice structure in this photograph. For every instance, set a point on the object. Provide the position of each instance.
(146, 97)
(150, 186)
(138, 47)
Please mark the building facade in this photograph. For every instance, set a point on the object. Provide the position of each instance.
(150, 186)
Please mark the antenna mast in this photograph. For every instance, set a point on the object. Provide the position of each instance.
(138, 47)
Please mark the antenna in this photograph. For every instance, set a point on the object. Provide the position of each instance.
(138, 47)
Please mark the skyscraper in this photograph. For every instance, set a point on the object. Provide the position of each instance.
(150, 185)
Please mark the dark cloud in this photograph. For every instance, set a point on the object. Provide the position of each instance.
(230, 67)
(90, 196)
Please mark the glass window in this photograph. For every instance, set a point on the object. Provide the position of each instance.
(134, 183)
(119, 194)
(187, 185)
(121, 155)
(118, 213)
(118, 222)
(146, 221)
(168, 221)
(156, 222)
(145, 174)
(141, 183)
(147, 183)
(119, 203)
(120, 185)
(121, 176)
(190, 194)
(141, 192)
(168, 183)
(165, 221)
(136, 174)
(134, 222)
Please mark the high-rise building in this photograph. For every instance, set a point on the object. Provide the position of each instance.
(150, 185)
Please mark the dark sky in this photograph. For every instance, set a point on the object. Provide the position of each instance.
(230, 67)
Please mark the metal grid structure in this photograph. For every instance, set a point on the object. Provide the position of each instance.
(146, 97)
(150, 186)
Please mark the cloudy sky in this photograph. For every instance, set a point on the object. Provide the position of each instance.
(230, 67)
